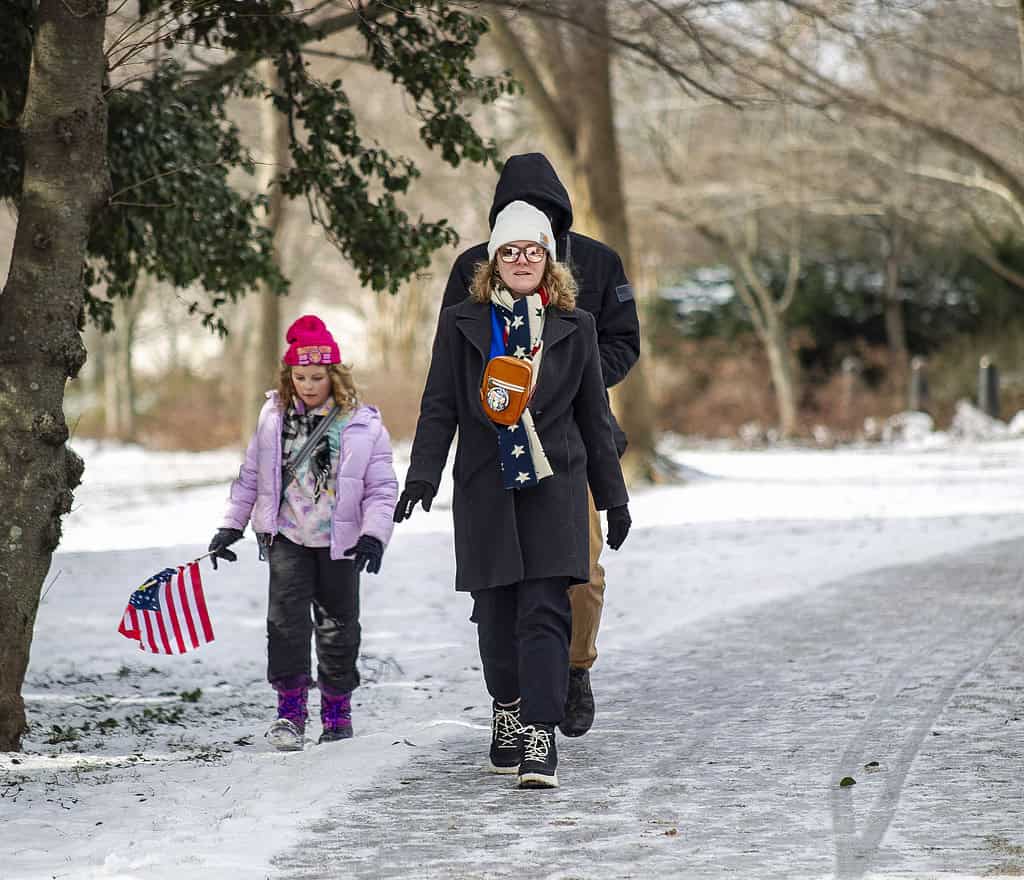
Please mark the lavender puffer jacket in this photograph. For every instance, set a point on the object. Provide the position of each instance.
(366, 489)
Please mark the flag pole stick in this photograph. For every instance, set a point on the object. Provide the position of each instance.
(153, 583)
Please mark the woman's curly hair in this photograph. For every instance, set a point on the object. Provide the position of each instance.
(557, 281)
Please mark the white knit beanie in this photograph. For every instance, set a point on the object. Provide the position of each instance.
(520, 221)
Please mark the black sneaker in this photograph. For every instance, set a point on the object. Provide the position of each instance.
(540, 758)
(579, 704)
(506, 743)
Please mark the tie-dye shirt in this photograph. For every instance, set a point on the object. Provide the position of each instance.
(301, 520)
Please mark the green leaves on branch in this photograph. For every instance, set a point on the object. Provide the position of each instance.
(174, 214)
(427, 48)
(351, 188)
(180, 212)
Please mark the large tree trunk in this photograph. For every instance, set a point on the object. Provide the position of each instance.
(64, 130)
(599, 170)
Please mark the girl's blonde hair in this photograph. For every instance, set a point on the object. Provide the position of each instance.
(557, 281)
(343, 387)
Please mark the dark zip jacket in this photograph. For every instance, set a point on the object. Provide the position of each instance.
(604, 290)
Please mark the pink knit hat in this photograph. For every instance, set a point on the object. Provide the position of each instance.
(310, 342)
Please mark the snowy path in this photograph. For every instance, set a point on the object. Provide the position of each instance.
(719, 751)
(138, 766)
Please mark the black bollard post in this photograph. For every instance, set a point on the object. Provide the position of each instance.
(918, 397)
(988, 387)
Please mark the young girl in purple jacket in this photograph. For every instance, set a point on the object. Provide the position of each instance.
(319, 525)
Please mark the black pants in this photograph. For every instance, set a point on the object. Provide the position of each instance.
(524, 632)
(302, 578)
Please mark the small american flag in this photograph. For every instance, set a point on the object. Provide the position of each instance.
(167, 614)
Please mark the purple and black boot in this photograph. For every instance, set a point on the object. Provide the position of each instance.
(336, 714)
(287, 733)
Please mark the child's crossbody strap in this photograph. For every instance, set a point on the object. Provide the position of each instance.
(291, 470)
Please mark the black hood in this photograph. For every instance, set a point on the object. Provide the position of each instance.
(531, 178)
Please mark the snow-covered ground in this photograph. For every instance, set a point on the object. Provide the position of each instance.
(155, 767)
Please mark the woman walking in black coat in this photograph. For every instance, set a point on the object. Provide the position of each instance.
(520, 499)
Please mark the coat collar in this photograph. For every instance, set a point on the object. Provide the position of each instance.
(557, 325)
(474, 320)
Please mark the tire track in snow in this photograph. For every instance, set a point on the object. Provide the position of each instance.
(855, 851)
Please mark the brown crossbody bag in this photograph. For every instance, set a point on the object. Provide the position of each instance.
(505, 389)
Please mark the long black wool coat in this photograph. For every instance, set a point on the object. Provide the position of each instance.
(503, 536)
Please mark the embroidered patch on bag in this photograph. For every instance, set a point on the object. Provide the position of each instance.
(624, 292)
(498, 399)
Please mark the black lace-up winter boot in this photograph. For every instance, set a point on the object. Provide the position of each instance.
(579, 704)
(506, 742)
(540, 759)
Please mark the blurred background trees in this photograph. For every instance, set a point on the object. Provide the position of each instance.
(807, 195)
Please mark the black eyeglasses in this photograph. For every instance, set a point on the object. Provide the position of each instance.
(510, 253)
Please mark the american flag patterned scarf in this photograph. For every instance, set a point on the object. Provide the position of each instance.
(517, 328)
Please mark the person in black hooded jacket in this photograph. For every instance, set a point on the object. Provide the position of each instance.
(605, 292)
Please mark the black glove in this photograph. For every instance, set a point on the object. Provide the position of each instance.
(367, 552)
(417, 490)
(220, 543)
(619, 522)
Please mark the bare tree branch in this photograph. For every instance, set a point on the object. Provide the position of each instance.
(523, 69)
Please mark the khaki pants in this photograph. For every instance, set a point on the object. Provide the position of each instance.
(587, 600)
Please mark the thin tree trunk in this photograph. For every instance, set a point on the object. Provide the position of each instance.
(127, 328)
(783, 370)
(64, 132)
(91, 380)
(111, 374)
(167, 313)
(895, 327)
(768, 317)
(1020, 35)
(267, 340)
(119, 377)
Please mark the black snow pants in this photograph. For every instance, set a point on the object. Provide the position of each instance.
(304, 579)
(524, 630)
